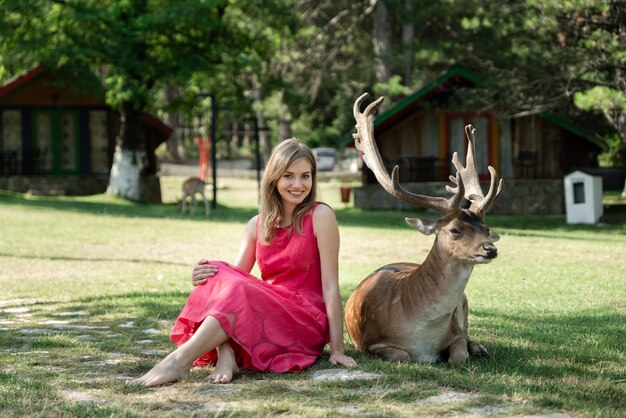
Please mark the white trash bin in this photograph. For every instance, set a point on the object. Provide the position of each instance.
(583, 198)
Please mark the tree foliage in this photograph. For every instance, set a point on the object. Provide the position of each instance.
(299, 64)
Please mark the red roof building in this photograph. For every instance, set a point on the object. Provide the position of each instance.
(51, 127)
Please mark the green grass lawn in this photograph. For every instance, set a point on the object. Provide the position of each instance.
(91, 285)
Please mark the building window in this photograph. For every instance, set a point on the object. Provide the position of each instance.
(99, 133)
(10, 142)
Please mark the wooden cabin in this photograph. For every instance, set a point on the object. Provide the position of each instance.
(531, 153)
(55, 135)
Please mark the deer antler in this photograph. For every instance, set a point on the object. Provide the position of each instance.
(469, 174)
(364, 142)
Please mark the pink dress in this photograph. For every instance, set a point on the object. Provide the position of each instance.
(277, 324)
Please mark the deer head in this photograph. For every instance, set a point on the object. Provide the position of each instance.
(461, 233)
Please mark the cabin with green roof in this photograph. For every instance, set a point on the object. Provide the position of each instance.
(58, 136)
(420, 134)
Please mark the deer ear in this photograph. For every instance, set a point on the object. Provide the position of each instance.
(426, 227)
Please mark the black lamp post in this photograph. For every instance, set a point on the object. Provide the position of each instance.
(214, 110)
(213, 134)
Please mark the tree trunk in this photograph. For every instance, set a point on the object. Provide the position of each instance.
(620, 123)
(284, 128)
(264, 138)
(619, 14)
(624, 163)
(171, 118)
(382, 41)
(284, 120)
(408, 33)
(129, 156)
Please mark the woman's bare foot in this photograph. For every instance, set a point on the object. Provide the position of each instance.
(226, 366)
(167, 371)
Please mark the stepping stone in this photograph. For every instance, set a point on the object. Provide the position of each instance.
(144, 342)
(53, 322)
(75, 396)
(36, 331)
(85, 337)
(103, 362)
(343, 375)
(356, 410)
(71, 326)
(154, 352)
(491, 410)
(70, 313)
(129, 324)
(447, 397)
(16, 310)
(151, 331)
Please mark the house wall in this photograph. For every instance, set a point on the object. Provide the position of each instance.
(520, 197)
(544, 150)
(530, 147)
(503, 127)
(580, 154)
(422, 145)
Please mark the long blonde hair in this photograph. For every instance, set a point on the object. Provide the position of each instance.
(271, 211)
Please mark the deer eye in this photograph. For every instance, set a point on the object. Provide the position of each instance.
(455, 233)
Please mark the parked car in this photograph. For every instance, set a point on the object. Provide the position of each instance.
(325, 158)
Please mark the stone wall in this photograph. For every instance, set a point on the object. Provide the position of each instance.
(520, 197)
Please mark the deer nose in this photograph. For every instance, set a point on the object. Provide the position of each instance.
(491, 250)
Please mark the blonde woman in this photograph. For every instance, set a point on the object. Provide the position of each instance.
(281, 322)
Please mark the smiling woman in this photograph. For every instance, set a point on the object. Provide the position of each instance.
(295, 185)
(282, 322)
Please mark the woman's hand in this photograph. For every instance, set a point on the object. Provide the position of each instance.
(202, 271)
(341, 358)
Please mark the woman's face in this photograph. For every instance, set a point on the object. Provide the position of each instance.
(295, 184)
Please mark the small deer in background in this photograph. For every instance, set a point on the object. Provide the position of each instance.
(190, 188)
(412, 312)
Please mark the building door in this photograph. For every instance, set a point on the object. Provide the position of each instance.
(458, 142)
(55, 147)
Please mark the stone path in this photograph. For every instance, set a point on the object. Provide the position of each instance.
(20, 317)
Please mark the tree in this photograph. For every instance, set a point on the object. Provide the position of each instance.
(135, 46)
(604, 39)
(552, 54)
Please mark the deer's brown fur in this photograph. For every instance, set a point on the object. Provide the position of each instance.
(412, 312)
(191, 187)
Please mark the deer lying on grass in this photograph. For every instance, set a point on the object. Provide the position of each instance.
(412, 312)
(190, 188)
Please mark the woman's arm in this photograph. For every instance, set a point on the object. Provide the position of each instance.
(247, 250)
(245, 259)
(327, 233)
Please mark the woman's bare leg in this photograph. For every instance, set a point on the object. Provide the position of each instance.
(226, 366)
(176, 365)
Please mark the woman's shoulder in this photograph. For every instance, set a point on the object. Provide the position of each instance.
(251, 226)
(322, 209)
(323, 213)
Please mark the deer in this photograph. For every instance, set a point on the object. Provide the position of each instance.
(190, 188)
(419, 312)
